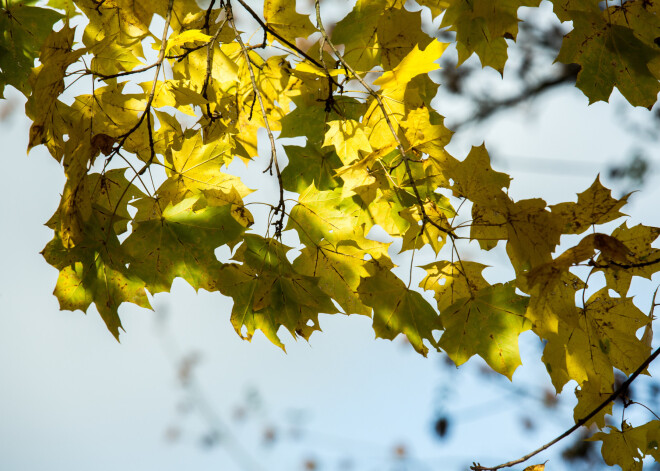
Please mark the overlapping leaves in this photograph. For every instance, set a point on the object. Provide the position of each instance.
(150, 195)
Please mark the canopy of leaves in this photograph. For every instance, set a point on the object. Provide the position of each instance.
(160, 201)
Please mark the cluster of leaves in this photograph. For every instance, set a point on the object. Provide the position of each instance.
(374, 155)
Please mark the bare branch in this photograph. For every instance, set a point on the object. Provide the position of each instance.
(619, 391)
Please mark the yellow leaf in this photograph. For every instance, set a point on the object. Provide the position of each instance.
(637, 241)
(594, 206)
(190, 36)
(425, 131)
(535, 467)
(349, 138)
(590, 395)
(624, 447)
(282, 17)
(415, 63)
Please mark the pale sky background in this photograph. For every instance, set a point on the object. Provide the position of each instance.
(72, 398)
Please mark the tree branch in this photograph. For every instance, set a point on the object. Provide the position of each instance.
(490, 108)
(619, 391)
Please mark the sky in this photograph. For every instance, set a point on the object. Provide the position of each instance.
(72, 398)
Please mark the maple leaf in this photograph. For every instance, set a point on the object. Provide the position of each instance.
(339, 270)
(604, 339)
(531, 232)
(188, 36)
(363, 100)
(112, 193)
(482, 27)
(612, 52)
(397, 309)
(95, 271)
(379, 32)
(281, 17)
(269, 293)
(594, 206)
(196, 167)
(416, 62)
(425, 131)
(25, 29)
(478, 318)
(310, 165)
(310, 115)
(434, 232)
(638, 240)
(349, 138)
(552, 299)
(326, 215)
(591, 394)
(47, 83)
(622, 447)
(114, 35)
(179, 241)
(474, 178)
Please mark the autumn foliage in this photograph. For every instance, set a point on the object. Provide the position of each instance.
(176, 92)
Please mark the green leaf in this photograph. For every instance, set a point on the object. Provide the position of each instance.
(483, 26)
(613, 52)
(478, 318)
(397, 309)
(23, 32)
(95, 271)
(179, 241)
(309, 165)
(268, 292)
(379, 32)
(339, 269)
(327, 215)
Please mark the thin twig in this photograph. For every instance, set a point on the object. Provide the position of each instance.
(278, 36)
(623, 265)
(619, 391)
(490, 108)
(121, 74)
(279, 224)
